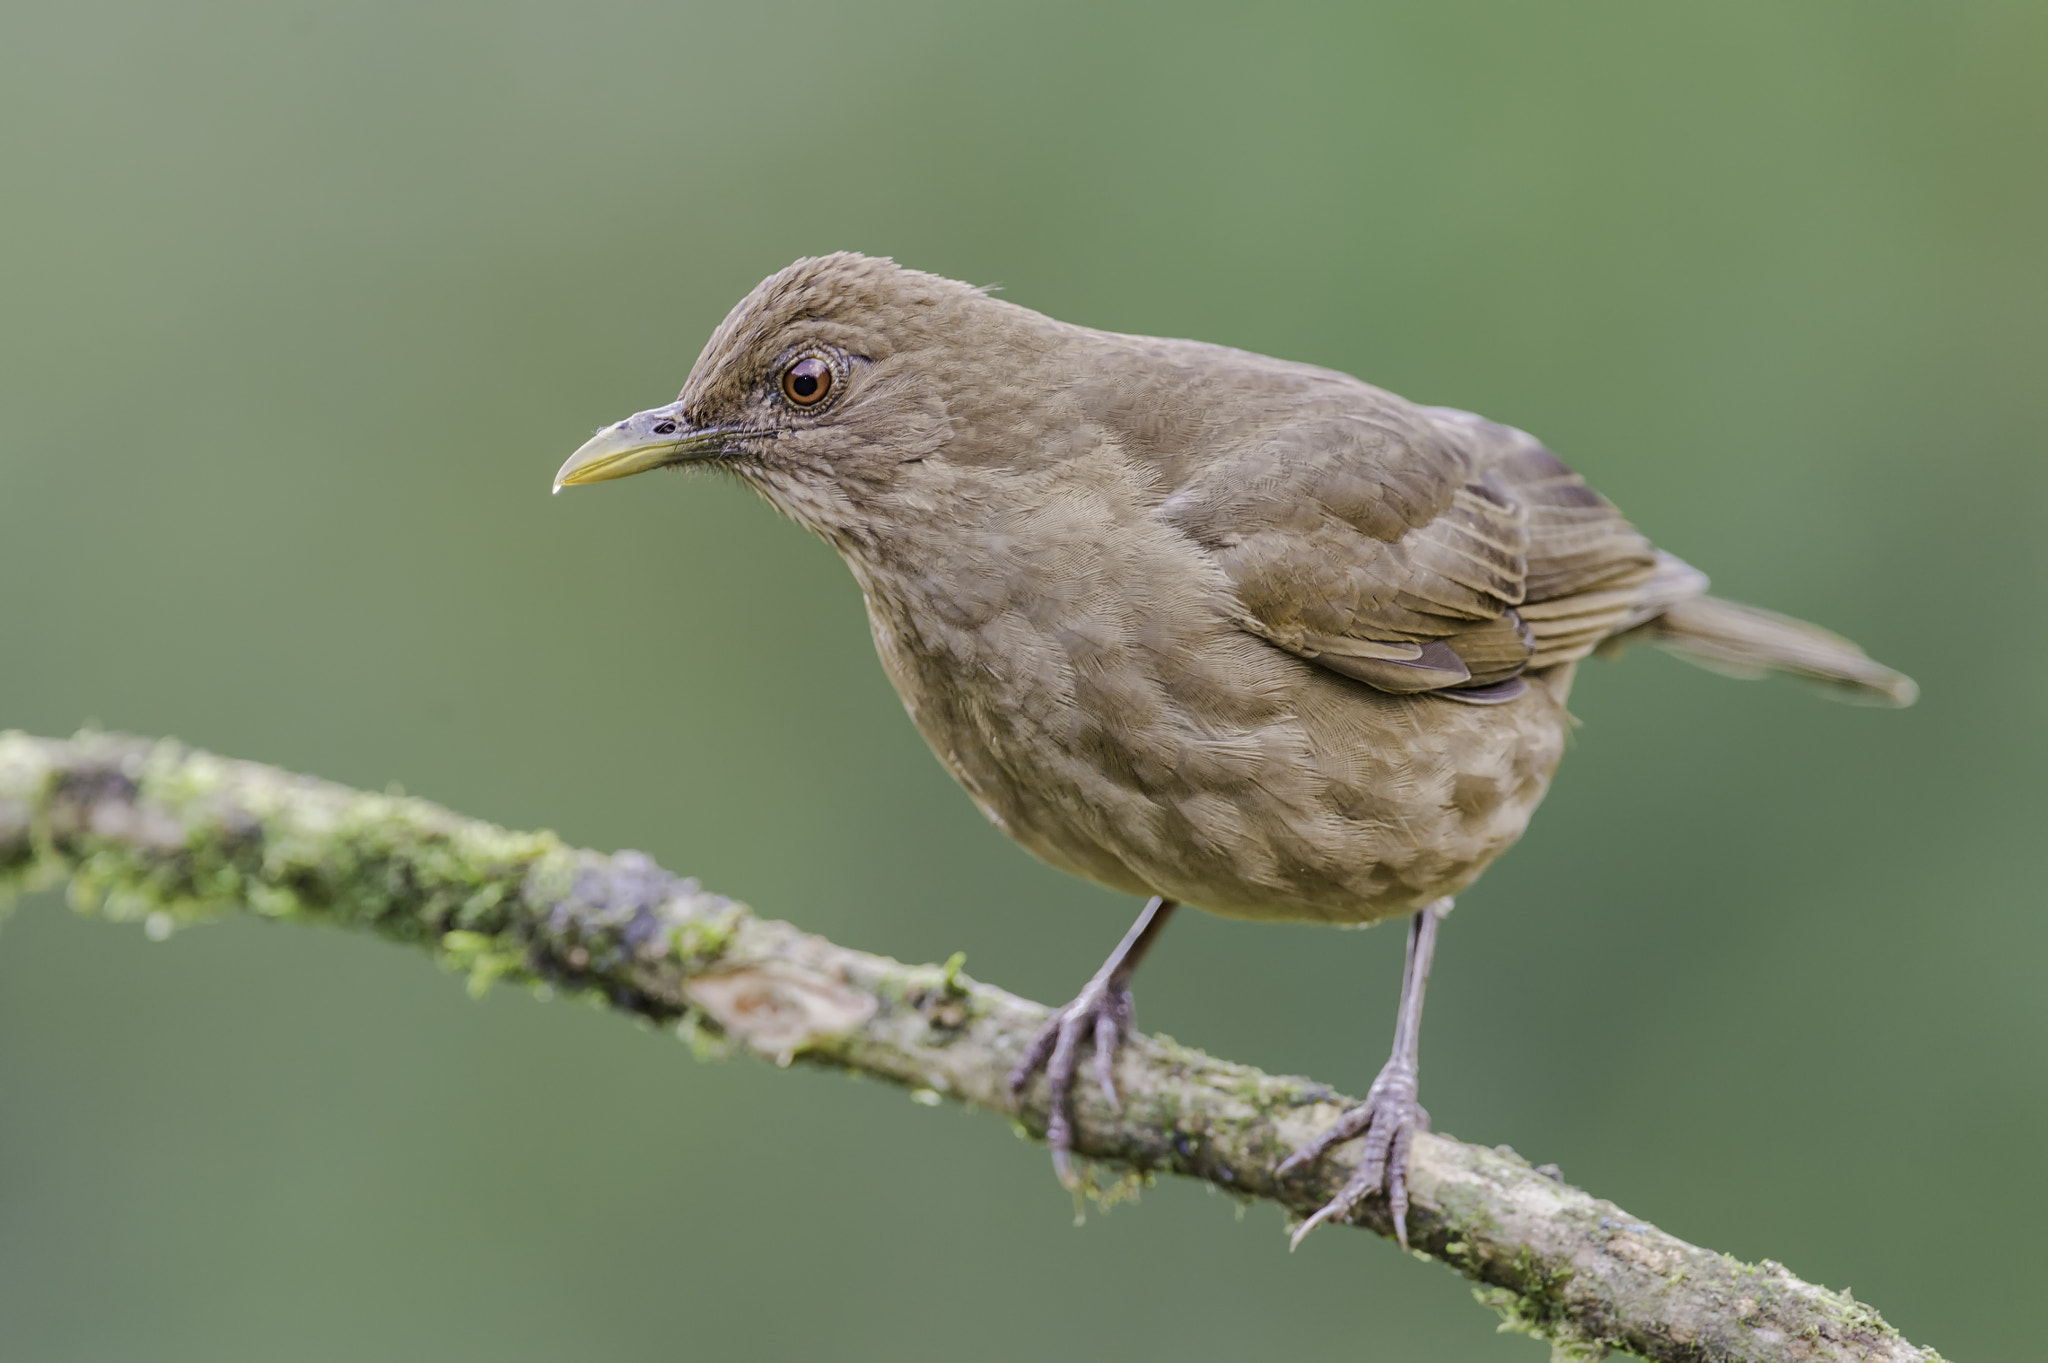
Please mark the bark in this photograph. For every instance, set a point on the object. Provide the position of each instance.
(155, 831)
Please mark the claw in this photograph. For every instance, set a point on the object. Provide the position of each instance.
(1301, 1231)
(1397, 1179)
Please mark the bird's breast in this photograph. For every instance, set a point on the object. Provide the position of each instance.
(1074, 662)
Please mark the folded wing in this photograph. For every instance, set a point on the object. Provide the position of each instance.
(1418, 549)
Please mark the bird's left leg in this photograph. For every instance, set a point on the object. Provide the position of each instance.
(1101, 1011)
(1390, 1115)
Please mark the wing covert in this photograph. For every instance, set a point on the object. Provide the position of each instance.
(1415, 549)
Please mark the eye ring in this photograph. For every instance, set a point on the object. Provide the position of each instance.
(807, 382)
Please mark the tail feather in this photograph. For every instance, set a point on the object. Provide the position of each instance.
(1745, 641)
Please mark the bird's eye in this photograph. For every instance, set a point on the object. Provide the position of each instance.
(806, 382)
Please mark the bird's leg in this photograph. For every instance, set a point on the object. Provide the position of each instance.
(1390, 1115)
(1101, 1012)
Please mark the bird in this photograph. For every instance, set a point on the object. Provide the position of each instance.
(1199, 625)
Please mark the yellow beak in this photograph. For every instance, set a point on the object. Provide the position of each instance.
(643, 441)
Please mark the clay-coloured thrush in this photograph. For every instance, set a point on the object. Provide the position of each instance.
(1197, 624)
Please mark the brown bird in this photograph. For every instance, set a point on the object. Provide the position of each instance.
(1194, 623)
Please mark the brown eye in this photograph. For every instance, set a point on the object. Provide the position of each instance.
(806, 382)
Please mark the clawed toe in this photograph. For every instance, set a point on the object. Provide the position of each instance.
(1388, 1119)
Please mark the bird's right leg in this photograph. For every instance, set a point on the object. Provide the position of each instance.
(1101, 1011)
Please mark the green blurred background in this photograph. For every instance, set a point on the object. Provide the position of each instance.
(305, 302)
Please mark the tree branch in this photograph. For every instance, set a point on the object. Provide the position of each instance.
(155, 831)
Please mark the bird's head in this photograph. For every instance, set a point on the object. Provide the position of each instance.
(819, 388)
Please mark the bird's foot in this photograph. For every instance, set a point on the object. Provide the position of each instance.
(1101, 1012)
(1388, 1119)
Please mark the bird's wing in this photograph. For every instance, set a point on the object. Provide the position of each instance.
(1416, 549)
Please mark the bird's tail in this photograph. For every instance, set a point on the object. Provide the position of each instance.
(1744, 641)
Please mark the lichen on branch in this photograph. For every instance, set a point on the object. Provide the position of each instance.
(155, 831)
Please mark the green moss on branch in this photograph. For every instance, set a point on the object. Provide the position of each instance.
(158, 832)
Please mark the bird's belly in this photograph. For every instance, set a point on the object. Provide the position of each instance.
(1243, 781)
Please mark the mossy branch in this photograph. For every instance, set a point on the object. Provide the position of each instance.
(156, 831)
